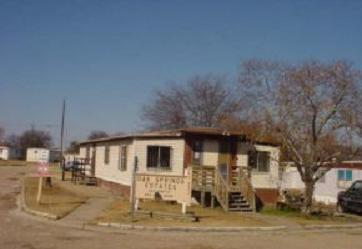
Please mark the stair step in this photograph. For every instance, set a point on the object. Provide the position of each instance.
(240, 209)
(238, 201)
(239, 205)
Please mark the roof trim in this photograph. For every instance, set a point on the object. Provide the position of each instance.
(169, 134)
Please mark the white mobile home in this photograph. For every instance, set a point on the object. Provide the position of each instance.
(4, 153)
(209, 153)
(337, 179)
(37, 155)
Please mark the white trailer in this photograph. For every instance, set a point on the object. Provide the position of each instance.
(4, 153)
(37, 155)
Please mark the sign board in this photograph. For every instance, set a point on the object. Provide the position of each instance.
(42, 170)
(165, 187)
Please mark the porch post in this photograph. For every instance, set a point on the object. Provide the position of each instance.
(203, 198)
(212, 201)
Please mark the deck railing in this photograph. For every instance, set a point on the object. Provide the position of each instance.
(247, 189)
(209, 179)
(203, 178)
(221, 190)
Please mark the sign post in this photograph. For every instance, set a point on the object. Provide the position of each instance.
(40, 187)
(42, 171)
(133, 189)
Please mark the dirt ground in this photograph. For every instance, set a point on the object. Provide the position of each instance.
(19, 230)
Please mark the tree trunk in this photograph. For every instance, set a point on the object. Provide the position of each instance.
(308, 198)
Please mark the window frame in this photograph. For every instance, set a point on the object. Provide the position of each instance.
(342, 175)
(123, 149)
(106, 154)
(257, 167)
(87, 152)
(197, 149)
(158, 158)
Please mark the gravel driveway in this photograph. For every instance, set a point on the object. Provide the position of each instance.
(19, 230)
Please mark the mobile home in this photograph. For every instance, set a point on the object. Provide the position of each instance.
(225, 167)
(335, 180)
(4, 153)
(37, 155)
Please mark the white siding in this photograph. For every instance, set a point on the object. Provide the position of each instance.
(242, 155)
(4, 153)
(82, 151)
(177, 155)
(326, 191)
(37, 155)
(111, 171)
(210, 153)
(268, 179)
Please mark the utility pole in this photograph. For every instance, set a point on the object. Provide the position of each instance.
(133, 189)
(61, 142)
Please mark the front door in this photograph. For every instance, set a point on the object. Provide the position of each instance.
(224, 157)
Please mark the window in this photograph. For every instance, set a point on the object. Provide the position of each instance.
(357, 186)
(123, 158)
(344, 178)
(196, 152)
(87, 152)
(322, 173)
(344, 175)
(259, 161)
(159, 157)
(106, 154)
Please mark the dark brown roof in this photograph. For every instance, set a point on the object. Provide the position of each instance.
(350, 165)
(170, 133)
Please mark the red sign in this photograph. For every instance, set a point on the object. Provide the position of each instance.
(42, 170)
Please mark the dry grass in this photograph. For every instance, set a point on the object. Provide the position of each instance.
(55, 200)
(118, 212)
(20, 163)
(15, 163)
(298, 218)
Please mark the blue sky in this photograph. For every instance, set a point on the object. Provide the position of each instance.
(107, 57)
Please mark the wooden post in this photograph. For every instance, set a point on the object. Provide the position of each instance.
(203, 198)
(40, 186)
(212, 201)
(183, 207)
(133, 189)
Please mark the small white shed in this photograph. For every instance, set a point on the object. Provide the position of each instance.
(4, 153)
(37, 155)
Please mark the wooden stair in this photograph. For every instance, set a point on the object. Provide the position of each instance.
(90, 180)
(237, 203)
(235, 194)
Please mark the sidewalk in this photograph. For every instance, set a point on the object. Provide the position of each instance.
(86, 212)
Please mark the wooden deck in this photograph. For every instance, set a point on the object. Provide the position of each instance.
(237, 194)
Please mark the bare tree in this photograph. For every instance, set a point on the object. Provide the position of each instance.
(12, 141)
(314, 109)
(35, 138)
(97, 134)
(73, 147)
(203, 101)
(29, 138)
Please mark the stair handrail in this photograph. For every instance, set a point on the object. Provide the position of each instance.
(247, 189)
(221, 190)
